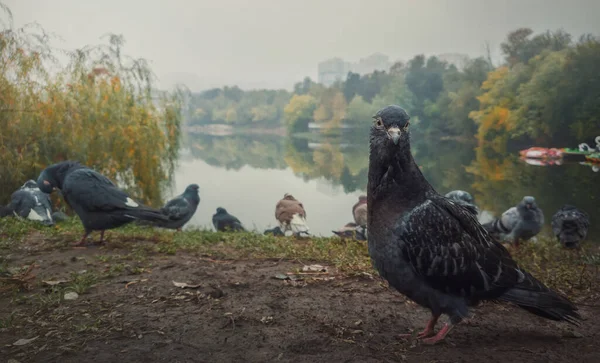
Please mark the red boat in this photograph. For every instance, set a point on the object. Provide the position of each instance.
(541, 153)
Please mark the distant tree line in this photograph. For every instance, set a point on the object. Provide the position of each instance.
(547, 91)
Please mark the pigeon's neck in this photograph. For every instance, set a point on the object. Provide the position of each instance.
(397, 179)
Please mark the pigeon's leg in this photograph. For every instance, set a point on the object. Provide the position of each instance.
(101, 242)
(440, 335)
(428, 331)
(179, 229)
(82, 241)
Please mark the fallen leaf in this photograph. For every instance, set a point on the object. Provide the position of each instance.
(314, 268)
(183, 285)
(54, 283)
(25, 341)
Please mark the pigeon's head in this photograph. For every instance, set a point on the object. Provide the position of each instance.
(221, 210)
(192, 188)
(53, 176)
(288, 196)
(390, 129)
(30, 184)
(46, 182)
(362, 199)
(529, 202)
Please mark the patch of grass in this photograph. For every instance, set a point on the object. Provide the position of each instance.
(571, 272)
(81, 282)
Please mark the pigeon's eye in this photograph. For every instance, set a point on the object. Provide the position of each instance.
(379, 123)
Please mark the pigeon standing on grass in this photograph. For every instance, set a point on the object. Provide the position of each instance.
(432, 249)
(31, 203)
(570, 225)
(98, 202)
(519, 223)
(225, 222)
(291, 215)
(180, 209)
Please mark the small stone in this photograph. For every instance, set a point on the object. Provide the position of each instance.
(71, 296)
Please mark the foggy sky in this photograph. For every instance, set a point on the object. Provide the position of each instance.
(274, 43)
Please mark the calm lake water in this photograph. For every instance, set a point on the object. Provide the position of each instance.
(248, 173)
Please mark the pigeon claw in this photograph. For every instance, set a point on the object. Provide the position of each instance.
(439, 336)
(427, 332)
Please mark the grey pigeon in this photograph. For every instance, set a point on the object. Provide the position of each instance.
(570, 225)
(59, 216)
(432, 249)
(98, 202)
(352, 231)
(276, 231)
(359, 211)
(224, 221)
(519, 223)
(465, 199)
(31, 203)
(291, 215)
(180, 209)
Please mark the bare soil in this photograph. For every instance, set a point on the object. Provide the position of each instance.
(242, 313)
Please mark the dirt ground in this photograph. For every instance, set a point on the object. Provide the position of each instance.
(242, 313)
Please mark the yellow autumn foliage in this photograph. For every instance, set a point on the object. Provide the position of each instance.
(99, 110)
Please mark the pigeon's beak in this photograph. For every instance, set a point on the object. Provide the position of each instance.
(394, 134)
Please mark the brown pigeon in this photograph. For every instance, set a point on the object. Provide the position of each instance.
(359, 211)
(291, 215)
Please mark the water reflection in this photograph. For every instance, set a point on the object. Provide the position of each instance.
(247, 174)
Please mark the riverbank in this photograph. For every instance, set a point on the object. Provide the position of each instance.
(251, 297)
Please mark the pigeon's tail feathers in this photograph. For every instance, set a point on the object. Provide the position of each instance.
(146, 214)
(538, 299)
(298, 224)
(237, 226)
(569, 236)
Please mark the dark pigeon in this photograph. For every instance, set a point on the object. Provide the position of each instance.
(432, 249)
(224, 221)
(352, 231)
(98, 202)
(519, 223)
(31, 203)
(180, 209)
(276, 231)
(570, 226)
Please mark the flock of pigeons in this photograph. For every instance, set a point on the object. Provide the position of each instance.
(429, 247)
(525, 220)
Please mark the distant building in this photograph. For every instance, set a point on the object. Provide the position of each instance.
(336, 69)
(332, 70)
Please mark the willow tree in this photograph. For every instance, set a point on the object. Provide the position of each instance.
(101, 109)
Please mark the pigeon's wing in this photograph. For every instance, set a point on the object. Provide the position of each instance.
(95, 192)
(453, 253)
(510, 218)
(177, 208)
